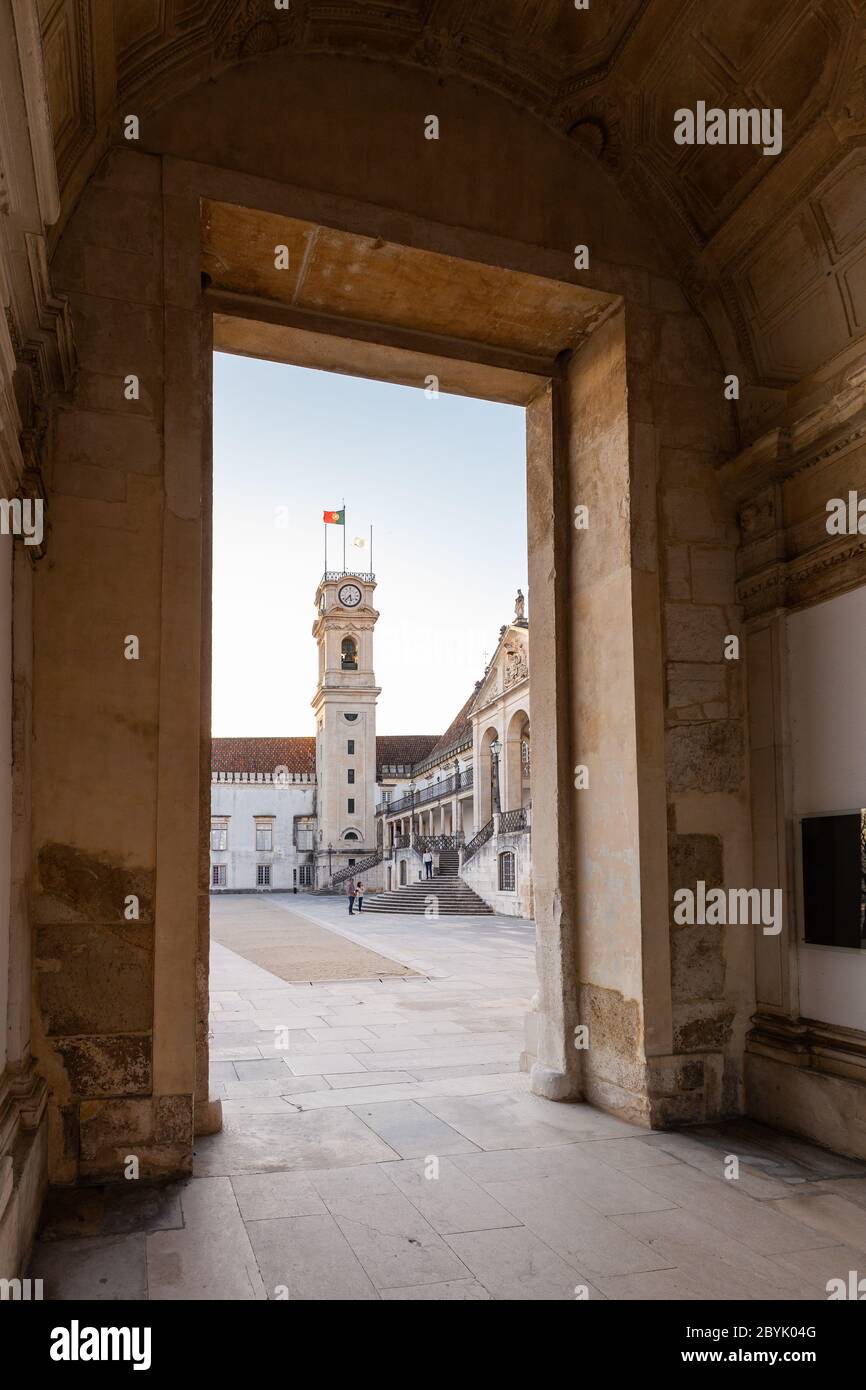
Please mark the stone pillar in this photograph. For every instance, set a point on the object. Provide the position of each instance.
(555, 1065)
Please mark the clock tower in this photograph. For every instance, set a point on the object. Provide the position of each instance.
(345, 708)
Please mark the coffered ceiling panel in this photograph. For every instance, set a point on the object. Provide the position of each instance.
(775, 239)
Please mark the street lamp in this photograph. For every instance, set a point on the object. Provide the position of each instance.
(330, 852)
(495, 750)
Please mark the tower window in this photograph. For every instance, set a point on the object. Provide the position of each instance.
(350, 746)
(351, 775)
(349, 653)
(350, 717)
(351, 805)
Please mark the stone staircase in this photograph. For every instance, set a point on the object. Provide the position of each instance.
(455, 898)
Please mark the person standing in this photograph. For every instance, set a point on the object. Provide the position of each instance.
(360, 892)
(428, 865)
(350, 889)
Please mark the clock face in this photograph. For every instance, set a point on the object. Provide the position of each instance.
(349, 595)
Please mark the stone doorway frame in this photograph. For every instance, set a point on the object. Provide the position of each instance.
(541, 375)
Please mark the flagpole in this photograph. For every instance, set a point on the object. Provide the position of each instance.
(344, 535)
(371, 552)
(325, 528)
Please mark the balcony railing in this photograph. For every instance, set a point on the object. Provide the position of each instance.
(512, 821)
(446, 786)
(354, 869)
(484, 834)
(346, 574)
(438, 842)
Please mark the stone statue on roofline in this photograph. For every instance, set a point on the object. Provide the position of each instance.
(520, 607)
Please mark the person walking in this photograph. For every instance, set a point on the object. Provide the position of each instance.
(428, 865)
(360, 891)
(350, 889)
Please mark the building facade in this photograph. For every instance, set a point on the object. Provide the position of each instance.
(303, 814)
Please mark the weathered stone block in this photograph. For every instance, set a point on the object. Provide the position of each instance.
(686, 353)
(705, 757)
(697, 962)
(95, 980)
(108, 1126)
(712, 574)
(678, 575)
(131, 170)
(74, 478)
(690, 516)
(696, 683)
(128, 443)
(118, 218)
(123, 274)
(107, 1066)
(116, 337)
(693, 857)
(691, 418)
(174, 1120)
(695, 633)
(104, 392)
(708, 1033)
(73, 886)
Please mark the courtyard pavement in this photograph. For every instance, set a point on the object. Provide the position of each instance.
(380, 1143)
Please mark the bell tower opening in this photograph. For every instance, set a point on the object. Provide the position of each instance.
(344, 705)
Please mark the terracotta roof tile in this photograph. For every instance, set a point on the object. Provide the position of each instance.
(403, 749)
(263, 754)
(299, 754)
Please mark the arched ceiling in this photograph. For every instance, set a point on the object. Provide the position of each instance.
(772, 249)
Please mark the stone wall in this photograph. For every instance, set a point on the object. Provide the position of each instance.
(482, 874)
(123, 530)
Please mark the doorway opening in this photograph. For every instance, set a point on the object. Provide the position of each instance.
(371, 618)
(349, 305)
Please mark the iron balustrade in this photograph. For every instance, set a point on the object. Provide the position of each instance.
(511, 821)
(484, 834)
(424, 842)
(346, 574)
(446, 787)
(354, 869)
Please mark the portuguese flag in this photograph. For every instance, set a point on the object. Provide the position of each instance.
(334, 518)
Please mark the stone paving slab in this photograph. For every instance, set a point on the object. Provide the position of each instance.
(391, 1150)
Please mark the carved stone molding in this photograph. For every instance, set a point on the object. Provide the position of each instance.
(254, 26)
(807, 1044)
(23, 1097)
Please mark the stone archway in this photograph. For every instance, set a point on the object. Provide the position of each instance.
(486, 775)
(508, 318)
(515, 757)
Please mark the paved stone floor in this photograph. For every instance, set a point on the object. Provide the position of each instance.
(323, 1184)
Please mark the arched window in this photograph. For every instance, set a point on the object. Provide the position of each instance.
(351, 835)
(506, 871)
(349, 650)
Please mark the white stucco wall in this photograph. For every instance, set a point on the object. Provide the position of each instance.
(242, 802)
(827, 685)
(482, 874)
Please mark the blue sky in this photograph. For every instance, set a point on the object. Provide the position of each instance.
(443, 482)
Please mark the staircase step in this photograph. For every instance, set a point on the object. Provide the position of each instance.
(454, 898)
